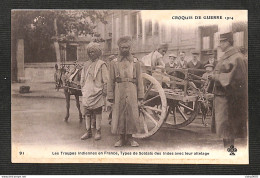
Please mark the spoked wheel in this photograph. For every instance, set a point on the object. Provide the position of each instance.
(153, 109)
(181, 114)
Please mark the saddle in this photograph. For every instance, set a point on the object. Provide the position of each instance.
(71, 80)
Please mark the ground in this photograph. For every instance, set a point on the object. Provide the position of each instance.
(40, 121)
(37, 119)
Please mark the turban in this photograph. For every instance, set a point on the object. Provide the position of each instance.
(162, 46)
(125, 40)
(96, 47)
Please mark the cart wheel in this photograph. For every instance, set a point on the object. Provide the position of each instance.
(182, 114)
(153, 109)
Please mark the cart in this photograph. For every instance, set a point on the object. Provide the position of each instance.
(160, 102)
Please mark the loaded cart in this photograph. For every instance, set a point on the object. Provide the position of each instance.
(182, 102)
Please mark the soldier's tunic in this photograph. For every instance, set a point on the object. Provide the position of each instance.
(125, 87)
(230, 89)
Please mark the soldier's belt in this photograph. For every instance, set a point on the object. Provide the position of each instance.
(121, 80)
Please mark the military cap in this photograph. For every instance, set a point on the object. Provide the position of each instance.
(172, 55)
(195, 52)
(226, 36)
(124, 39)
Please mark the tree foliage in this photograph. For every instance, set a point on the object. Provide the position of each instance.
(69, 22)
(39, 28)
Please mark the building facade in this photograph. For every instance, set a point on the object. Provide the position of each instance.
(146, 33)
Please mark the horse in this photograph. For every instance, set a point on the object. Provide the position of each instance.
(70, 87)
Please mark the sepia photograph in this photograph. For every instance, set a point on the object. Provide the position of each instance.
(129, 86)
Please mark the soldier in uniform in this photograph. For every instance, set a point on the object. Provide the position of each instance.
(125, 88)
(94, 77)
(230, 89)
(155, 58)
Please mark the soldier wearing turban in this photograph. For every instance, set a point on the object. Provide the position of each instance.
(93, 82)
(125, 88)
(155, 58)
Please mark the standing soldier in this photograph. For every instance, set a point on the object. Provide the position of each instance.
(125, 88)
(93, 82)
(230, 89)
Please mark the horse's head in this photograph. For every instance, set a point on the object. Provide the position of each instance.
(59, 77)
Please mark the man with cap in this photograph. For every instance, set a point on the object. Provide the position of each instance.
(172, 64)
(93, 82)
(195, 64)
(211, 59)
(182, 64)
(155, 58)
(230, 89)
(125, 88)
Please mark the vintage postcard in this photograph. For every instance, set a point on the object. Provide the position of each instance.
(129, 86)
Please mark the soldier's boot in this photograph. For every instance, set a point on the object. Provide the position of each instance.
(98, 135)
(132, 142)
(121, 141)
(88, 134)
(228, 143)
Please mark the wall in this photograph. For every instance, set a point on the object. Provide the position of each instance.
(39, 72)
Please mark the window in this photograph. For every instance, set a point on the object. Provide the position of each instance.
(216, 40)
(205, 42)
(117, 29)
(238, 39)
(148, 28)
(126, 25)
(166, 34)
(71, 53)
(156, 28)
(133, 25)
(140, 30)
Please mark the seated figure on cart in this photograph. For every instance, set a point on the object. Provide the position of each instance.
(155, 58)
